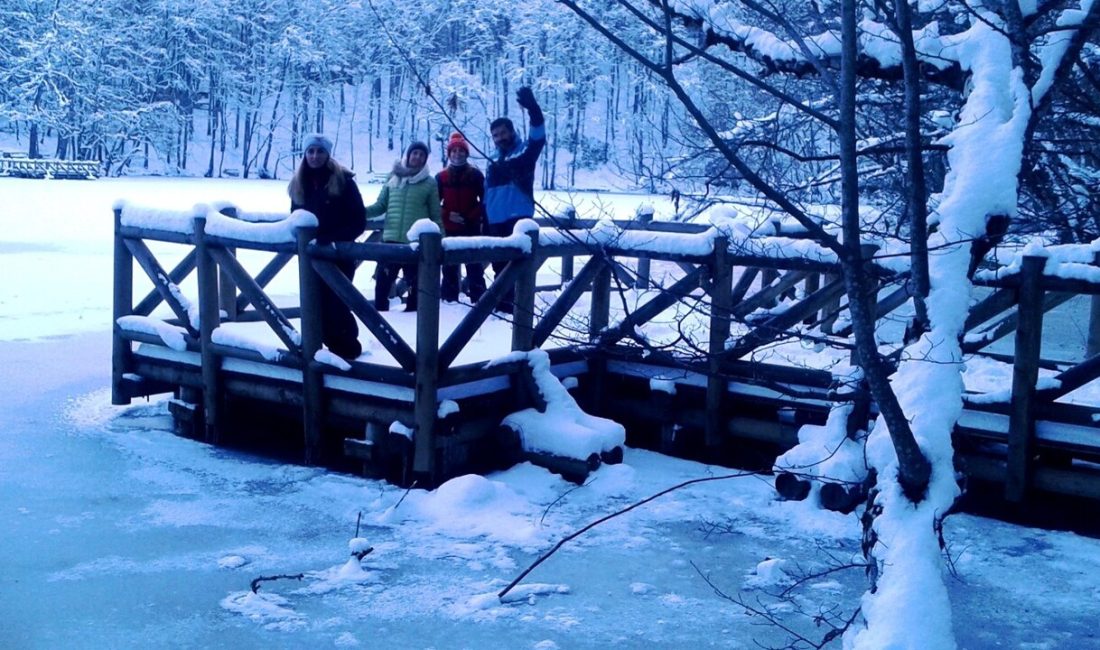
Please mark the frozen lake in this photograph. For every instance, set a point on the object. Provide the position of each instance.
(119, 534)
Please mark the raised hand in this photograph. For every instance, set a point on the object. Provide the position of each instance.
(526, 98)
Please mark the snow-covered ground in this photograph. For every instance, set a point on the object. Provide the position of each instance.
(119, 534)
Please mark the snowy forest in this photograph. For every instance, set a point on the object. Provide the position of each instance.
(925, 134)
(227, 88)
(214, 88)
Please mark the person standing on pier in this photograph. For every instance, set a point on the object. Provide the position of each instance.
(462, 191)
(328, 190)
(409, 195)
(510, 177)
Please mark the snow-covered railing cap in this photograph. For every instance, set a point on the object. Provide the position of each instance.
(231, 210)
(525, 226)
(566, 212)
(518, 240)
(266, 232)
(225, 207)
(261, 217)
(1066, 261)
(422, 227)
(601, 233)
(783, 248)
(179, 221)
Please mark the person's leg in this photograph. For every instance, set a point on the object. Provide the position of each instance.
(411, 271)
(448, 290)
(339, 331)
(502, 230)
(383, 281)
(475, 279)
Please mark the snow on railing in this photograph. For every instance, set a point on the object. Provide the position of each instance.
(259, 227)
(1066, 261)
(277, 228)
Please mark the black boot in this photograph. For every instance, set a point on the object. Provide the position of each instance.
(348, 350)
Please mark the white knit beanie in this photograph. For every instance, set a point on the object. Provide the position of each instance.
(317, 140)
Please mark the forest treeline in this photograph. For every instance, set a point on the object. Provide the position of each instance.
(213, 87)
(216, 88)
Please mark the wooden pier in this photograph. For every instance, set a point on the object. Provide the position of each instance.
(719, 394)
(19, 167)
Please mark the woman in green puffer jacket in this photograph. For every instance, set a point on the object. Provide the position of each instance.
(410, 194)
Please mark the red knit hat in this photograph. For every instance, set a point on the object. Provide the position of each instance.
(458, 141)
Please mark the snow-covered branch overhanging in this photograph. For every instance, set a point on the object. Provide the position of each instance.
(879, 48)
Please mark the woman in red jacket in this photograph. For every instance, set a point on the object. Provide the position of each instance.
(462, 192)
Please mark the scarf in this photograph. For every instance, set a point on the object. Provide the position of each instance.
(402, 175)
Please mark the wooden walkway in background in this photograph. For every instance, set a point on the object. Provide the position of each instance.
(49, 168)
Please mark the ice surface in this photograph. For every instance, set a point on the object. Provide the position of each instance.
(119, 534)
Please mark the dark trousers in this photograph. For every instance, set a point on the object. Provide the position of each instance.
(339, 331)
(507, 303)
(452, 281)
(384, 279)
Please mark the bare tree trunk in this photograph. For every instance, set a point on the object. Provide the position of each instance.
(249, 126)
(222, 134)
(550, 171)
(391, 107)
(351, 122)
(916, 196)
(265, 169)
(32, 144)
(212, 125)
(914, 470)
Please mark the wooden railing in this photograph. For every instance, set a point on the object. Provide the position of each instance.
(704, 268)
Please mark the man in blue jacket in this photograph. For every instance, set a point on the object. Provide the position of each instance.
(510, 178)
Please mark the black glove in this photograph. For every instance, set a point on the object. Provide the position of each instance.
(526, 99)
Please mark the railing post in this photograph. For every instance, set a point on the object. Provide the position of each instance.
(645, 217)
(598, 317)
(813, 283)
(1093, 346)
(831, 311)
(567, 260)
(427, 356)
(600, 307)
(207, 271)
(523, 316)
(227, 291)
(309, 291)
(1025, 372)
(123, 305)
(768, 277)
(721, 304)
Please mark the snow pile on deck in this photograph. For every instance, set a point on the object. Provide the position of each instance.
(563, 429)
(826, 452)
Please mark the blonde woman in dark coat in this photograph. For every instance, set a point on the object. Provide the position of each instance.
(328, 190)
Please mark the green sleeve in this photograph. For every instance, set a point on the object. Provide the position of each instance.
(379, 206)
